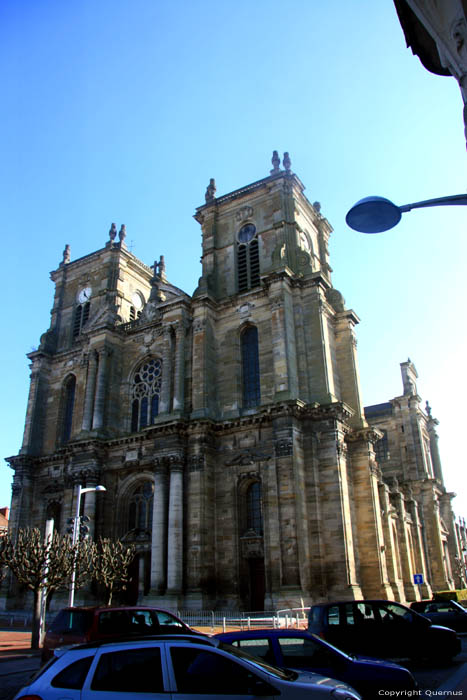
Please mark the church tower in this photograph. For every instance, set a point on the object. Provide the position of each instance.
(227, 426)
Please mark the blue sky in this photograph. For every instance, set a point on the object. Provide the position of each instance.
(119, 111)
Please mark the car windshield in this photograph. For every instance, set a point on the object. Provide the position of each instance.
(275, 671)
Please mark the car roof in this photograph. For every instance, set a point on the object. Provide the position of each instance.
(124, 639)
(130, 608)
(252, 634)
(368, 600)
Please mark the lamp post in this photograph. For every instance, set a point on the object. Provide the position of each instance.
(377, 214)
(75, 535)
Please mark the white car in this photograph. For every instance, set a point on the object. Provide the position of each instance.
(172, 667)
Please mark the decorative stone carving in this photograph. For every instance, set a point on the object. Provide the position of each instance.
(113, 232)
(245, 309)
(286, 162)
(276, 162)
(284, 447)
(252, 545)
(199, 325)
(211, 190)
(196, 463)
(66, 255)
(243, 214)
(248, 456)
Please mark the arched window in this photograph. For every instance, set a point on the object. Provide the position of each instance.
(140, 507)
(254, 508)
(145, 394)
(81, 316)
(250, 367)
(68, 406)
(247, 258)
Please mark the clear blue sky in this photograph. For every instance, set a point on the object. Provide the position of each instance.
(120, 111)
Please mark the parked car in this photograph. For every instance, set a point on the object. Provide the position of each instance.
(443, 612)
(75, 625)
(382, 628)
(302, 651)
(173, 666)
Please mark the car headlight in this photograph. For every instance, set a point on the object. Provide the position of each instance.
(345, 694)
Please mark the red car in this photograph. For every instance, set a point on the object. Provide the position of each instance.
(86, 624)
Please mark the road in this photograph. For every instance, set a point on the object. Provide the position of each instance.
(15, 672)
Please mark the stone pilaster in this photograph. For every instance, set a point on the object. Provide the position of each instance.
(175, 530)
(167, 372)
(179, 382)
(159, 530)
(349, 376)
(98, 419)
(373, 568)
(90, 392)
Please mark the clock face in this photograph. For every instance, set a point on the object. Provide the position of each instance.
(137, 300)
(246, 233)
(84, 295)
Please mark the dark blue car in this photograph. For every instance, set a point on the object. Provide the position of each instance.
(300, 650)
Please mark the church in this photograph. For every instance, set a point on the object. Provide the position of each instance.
(227, 426)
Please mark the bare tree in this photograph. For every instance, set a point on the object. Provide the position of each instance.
(112, 565)
(45, 566)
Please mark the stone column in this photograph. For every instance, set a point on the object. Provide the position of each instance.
(167, 368)
(101, 387)
(179, 388)
(175, 532)
(159, 529)
(90, 391)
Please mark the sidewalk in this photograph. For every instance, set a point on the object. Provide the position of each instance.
(14, 644)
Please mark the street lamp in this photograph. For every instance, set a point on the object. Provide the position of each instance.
(75, 535)
(376, 214)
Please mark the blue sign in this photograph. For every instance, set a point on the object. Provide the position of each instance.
(418, 579)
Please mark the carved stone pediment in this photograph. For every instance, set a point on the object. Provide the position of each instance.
(252, 545)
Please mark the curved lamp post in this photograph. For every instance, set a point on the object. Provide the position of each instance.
(376, 214)
(75, 535)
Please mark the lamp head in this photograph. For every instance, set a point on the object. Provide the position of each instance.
(373, 215)
(100, 488)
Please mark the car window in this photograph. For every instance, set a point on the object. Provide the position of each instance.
(113, 622)
(130, 671)
(71, 621)
(364, 614)
(333, 615)
(198, 671)
(143, 622)
(166, 620)
(301, 652)
(391, 612)
(256, 647)
(73, 676)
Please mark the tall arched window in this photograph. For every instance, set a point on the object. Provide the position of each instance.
(81, 316)
(247, 258)
(145, 394)
(254, 508)
(68, 406)
(250, 367)
(140, 507)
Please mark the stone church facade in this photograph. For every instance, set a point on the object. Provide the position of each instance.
(228, 427)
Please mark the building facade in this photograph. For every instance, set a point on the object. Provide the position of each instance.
(227, 427)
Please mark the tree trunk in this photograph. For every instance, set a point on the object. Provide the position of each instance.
(36, 620)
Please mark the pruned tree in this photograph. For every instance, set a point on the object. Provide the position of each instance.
(112, 565)
(46, 566)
